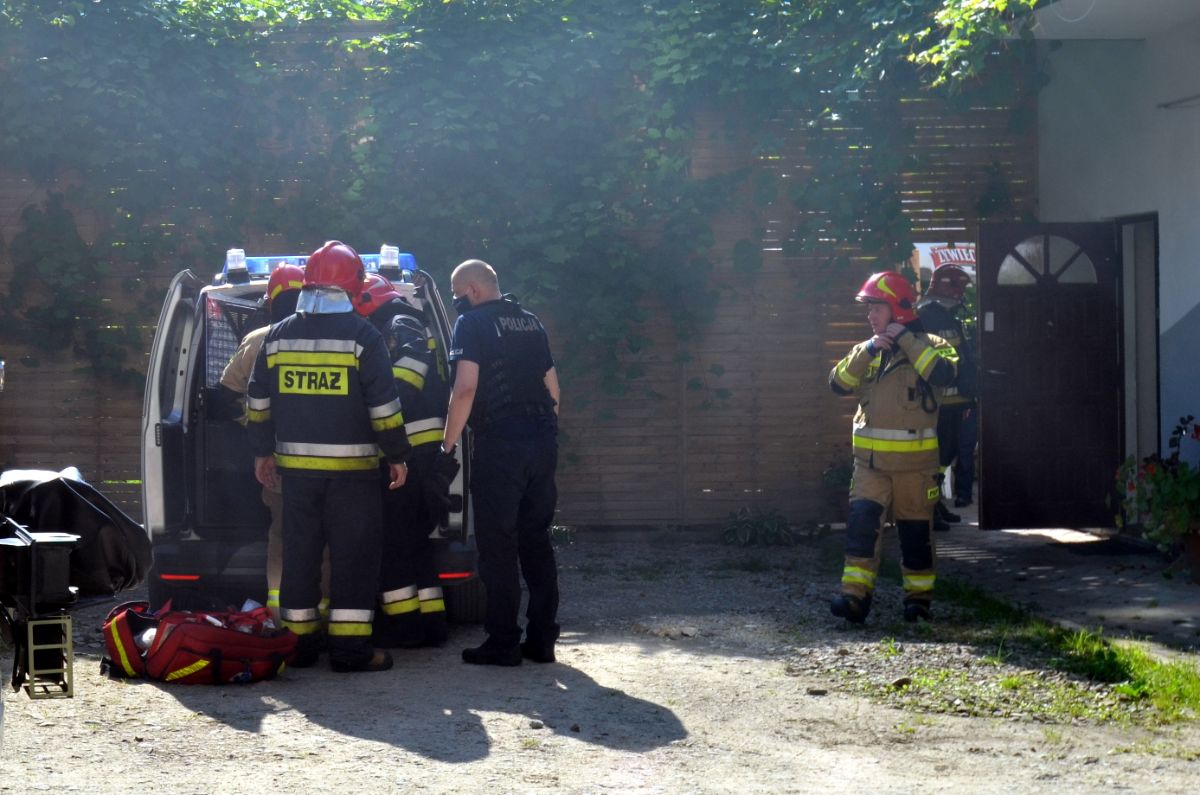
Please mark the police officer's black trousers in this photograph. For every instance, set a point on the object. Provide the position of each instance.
(345, 514)
(514, 496)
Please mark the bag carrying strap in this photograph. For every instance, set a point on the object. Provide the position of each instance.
(124, 623)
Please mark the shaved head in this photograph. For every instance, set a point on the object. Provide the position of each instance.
(477, 279)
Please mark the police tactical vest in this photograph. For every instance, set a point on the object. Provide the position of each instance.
(514, 359)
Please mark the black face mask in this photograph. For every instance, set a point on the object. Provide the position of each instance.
(462, 305)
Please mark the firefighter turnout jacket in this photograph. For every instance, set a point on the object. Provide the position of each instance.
(420, 372)
(942, 322)
(322, 398)
(895, 427)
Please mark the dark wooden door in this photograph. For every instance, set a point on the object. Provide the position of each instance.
(1051, 385)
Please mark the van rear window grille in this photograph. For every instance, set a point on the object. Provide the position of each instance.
(226, 322)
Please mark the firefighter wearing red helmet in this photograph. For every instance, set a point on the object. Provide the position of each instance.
(938, 310)
(283, 290)
(411, 601)
(322, 407)
(898, 375)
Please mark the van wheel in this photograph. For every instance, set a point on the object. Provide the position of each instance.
(466, 601)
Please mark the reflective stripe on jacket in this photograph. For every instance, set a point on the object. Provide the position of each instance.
(895, 427)
(322, 398)
(942, 322)
(420, 372)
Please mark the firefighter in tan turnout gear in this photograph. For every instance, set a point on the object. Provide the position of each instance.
(322, 407)
(283, 290)
(898, 375)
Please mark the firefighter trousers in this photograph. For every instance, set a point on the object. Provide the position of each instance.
(411, 602)
(343, 513)
(911, 495)
(514, 498)
(274, 502)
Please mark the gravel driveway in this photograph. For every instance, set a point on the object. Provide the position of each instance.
(685, 666)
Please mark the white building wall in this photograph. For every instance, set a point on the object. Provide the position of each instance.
(1107, 150)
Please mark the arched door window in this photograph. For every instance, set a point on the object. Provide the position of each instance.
(1046, 258)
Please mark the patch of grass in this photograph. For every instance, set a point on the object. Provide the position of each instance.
(1172, 687)
(530, 744)
(940, 690)
(1162, 749)
(986, 608)
(889, 648)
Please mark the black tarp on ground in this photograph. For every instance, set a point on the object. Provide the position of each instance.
(114, 552)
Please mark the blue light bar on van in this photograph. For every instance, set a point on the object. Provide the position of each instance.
(240, 268)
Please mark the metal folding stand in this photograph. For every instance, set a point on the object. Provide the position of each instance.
(50, 650)
(34, 584)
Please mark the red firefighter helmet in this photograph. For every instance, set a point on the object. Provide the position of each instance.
(378, 291)
(284, 278)
(336, 265)
(949, 281)
(892, 289)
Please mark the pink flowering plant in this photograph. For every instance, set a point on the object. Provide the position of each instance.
(1162, 495)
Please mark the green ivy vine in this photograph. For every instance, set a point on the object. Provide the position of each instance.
(551, 138)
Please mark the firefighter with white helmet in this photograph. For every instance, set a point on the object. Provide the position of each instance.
(898, 375)
(322, 406)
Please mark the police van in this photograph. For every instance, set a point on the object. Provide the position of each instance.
(202, 505)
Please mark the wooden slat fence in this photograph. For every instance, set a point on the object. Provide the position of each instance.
(739, 415)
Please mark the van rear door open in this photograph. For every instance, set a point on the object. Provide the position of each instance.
(164, 455)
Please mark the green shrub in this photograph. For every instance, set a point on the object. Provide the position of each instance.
(756, 527)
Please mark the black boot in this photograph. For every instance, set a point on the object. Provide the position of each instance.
(308, 650)
(537, 652)
(376, 660)
(490, 653)
(434, 628)
(943, 514)
(403, 631)
(917, 609)
(852, 608)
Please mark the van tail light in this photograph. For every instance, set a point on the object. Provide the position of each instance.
(454, 575)
(179, 577)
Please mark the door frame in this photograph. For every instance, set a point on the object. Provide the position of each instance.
(1129, 311)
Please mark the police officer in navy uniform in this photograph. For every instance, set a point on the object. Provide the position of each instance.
(321, 406)
(505, 385)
